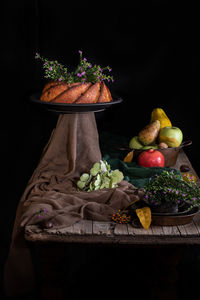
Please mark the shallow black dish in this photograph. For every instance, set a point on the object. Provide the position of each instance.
(66, 108)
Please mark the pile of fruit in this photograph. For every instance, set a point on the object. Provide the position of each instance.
(158, 134)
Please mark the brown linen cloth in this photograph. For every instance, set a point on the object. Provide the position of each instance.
(72, 149)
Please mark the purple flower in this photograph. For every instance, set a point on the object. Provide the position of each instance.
(80, 52)
(177, 192)
(146, 196)
(60, 79)
(183, 195)
(81, 74)
(50, 68)
(194, 198)
(90, 66)
(36, 55)
(85, 59)
(110, 69)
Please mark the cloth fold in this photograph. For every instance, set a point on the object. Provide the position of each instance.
(51, 196)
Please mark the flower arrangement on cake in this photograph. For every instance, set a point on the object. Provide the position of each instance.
(84, 85)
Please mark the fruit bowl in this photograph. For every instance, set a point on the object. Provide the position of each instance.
(170, 154)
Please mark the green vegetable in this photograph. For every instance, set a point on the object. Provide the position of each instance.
(100, 176)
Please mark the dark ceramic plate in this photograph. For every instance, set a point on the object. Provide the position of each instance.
(65, 108)
(174, 220)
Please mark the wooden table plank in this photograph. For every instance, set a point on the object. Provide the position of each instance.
(102, 228)
(191, 229)
(138, 231)
(83, 227)
(182, 230)
(171, 231)
(183, 159)
(121, 229)
(196, 221)
(157, 230)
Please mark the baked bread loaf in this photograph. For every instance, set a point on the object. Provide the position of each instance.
(77, 92)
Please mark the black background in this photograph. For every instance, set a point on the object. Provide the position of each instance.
(153, 50)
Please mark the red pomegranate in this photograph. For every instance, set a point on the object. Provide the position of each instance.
(151, 158)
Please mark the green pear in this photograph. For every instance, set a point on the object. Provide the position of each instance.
(135, 143)
(149, 133)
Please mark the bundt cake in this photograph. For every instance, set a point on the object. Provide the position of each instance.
(84, 85)
(76, 92)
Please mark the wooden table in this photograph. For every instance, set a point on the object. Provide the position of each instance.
(171, 239)
(87, 231)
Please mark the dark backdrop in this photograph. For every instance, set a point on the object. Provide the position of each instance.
(152, 49)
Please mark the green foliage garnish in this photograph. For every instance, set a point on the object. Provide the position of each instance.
(53, 69)
(99, 177)
(171, 188)
(85, 71)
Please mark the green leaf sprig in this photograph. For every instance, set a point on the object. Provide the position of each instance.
(53, 70)
(84, 72)
(99, 177)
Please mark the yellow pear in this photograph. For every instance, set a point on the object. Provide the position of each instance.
(159, 114)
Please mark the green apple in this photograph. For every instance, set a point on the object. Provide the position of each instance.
(135, 143)
(149, 147)
(171, 135)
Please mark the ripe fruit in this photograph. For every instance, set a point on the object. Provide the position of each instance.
(171, 135)
(149, 133)
(135, 143)
(151, 158)
(159, 114)
(162, 146)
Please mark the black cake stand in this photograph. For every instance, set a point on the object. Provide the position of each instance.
(73, 108)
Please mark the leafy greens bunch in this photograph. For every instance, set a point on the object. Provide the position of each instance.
(100, 176)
